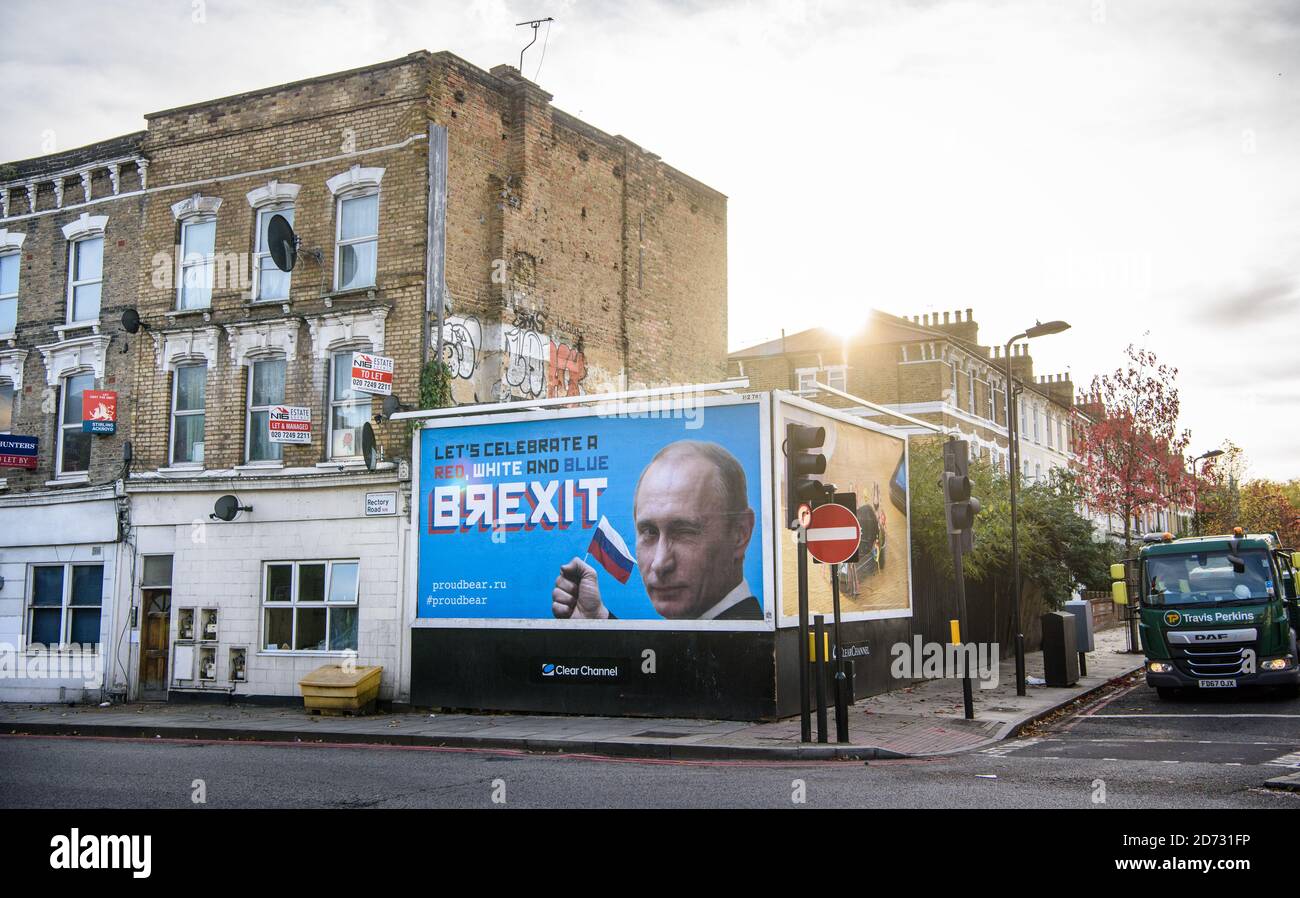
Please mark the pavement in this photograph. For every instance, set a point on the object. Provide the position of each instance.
(921, 720)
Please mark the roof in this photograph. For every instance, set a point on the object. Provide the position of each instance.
(1215, 543)
(879, 328)
(100, 151)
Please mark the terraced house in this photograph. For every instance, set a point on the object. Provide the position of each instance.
(435, 205)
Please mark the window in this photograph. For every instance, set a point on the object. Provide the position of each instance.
(970, 392)
(358, 241)
(265, 389)
(837, 377)
(349, 410)
(1050, 426)
(74, 444)
(6, 406)
(189, 389)
(807, 381)
(198, 248)
(65, 605)
(9, 265)
(272, 283)
(310, 606)
(85, 279)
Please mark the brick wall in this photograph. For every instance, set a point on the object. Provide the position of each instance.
(43, 296)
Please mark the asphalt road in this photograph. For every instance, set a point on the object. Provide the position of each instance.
(1130, 750)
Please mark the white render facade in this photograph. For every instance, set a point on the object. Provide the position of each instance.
(306, 578)
(61, 561)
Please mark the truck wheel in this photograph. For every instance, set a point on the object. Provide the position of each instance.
(1169, 693)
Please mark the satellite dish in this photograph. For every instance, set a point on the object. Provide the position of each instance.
(281, 242)
(131, 322)
(392, 405)
(368, 450)
(227, 508)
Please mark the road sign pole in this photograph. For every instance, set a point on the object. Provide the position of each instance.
(968, 701)
(841, 681)
(805, 715)
(819, 651)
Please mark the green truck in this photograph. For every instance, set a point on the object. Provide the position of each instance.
(1215, 612)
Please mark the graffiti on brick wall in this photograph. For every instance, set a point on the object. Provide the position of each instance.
(568, 368)
(525, 362)
(539, 362)
(462, 337)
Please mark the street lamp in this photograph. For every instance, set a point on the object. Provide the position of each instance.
(1013, 444)
(1196, 488)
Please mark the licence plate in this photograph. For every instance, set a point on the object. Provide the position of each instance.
(1217, 684)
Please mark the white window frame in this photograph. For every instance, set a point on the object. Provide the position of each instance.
(837, 371)
(76, 425)
(294, 604)
(6, 383)
(249, 408)
(209, 261)
(17, 256)
(332, 403)
(65, 618)
(171, 430)
(260, 252)
(339, 242)
(74, 282)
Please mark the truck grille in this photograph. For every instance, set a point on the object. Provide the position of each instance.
(1209, 662)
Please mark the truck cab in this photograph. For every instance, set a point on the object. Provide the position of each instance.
(1216, 612)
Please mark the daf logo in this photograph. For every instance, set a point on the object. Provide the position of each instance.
(1173, 618)
(1206, 637)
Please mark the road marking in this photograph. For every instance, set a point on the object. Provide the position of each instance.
(1291, 760)
(1006, 748)
(1172, 716)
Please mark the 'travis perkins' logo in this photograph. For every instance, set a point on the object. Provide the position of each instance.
(1173, 618)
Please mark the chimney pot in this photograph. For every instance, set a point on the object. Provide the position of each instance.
(945, 318)
(970, 315)
(958, 314)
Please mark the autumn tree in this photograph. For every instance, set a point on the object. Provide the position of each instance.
(1132, 450)
(1217, 490)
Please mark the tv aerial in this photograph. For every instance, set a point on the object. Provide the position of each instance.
(283, 243)
(535, 23)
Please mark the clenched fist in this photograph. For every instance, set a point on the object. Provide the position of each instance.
(577, 593)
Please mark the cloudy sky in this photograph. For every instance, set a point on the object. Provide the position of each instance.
(1129, 166)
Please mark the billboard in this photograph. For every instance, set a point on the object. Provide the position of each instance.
(596, 518)
(871, 463)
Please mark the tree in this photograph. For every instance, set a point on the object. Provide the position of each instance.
(1218, 490)
(1265, 508)
(1057, 545)
(1132, 449)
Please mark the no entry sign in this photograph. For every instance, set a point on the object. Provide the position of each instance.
(833, 534)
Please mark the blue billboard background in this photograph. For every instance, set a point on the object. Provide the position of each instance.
(508, 570)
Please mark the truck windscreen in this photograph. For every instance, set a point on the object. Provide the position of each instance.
(1208, 578)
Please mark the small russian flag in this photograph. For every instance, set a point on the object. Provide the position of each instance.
(608, 548)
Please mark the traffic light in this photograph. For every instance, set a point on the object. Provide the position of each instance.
(802, 461)
(961, 507)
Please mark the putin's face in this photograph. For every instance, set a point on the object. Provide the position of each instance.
(690, 552)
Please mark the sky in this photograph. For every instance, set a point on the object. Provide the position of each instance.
(1130, 167)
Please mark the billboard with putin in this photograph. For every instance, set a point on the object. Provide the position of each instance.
(611, 515)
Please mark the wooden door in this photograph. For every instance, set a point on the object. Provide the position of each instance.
(155, 643)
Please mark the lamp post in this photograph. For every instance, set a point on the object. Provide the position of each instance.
(1196, 488)
(1013, 445)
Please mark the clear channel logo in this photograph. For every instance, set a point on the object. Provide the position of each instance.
(580, 670)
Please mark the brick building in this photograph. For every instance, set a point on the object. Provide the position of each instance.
(69, 245)
(566, 261)
(931, 369)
